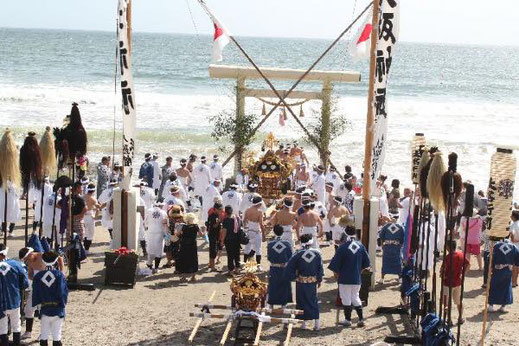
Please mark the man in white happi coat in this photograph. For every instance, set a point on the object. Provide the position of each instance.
(173, 199)
(211, 192)
(48, 212)
(13, 206)
(105, 199)
(84, 184)
(313, 174)
(319, 185)
(232, 198)
(147, 194)
(35, 196)
(157, 223)
(201, 178)
(216, 169)
(333, 177)
(242, 179)
(173, 180)
(157, 174)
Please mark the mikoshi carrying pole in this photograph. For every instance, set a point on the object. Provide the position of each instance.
(300, 78)
(500, 198)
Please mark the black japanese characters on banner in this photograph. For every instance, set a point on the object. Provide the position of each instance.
(128, 94)
(500, 192)
(388, 30)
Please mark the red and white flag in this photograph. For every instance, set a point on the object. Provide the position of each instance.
(220, 40)
(362, 43)
(221, 36)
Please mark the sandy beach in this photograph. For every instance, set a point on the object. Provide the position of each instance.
(156, 311)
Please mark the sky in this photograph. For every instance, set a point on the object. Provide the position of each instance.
(438, 21)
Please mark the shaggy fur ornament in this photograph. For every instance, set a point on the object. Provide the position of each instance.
(451, 181)
(434, 188)
(48, 153)
(9, 160)
(30, 162)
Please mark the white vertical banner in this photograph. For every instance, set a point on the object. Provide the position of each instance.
(127, 92)
(388, 30)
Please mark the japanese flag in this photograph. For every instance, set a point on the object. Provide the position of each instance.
(220, 40)
(221, 36)
(362, 42)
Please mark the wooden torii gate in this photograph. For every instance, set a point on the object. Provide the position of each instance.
(242, 73)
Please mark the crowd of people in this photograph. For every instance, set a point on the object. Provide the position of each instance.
(178, 205)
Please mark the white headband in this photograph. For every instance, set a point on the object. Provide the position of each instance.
(29, 251)
(50, 264)
(310, 242)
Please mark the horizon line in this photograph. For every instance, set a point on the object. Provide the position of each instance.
(258, 36)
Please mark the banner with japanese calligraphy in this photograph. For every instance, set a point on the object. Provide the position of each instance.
(127, 92)
(388, 30)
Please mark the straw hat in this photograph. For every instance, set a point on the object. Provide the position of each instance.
(191, 219)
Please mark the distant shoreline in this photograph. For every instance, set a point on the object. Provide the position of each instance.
(208, 36)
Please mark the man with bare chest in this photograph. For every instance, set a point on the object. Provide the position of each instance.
(301, 177)
(253, 223)
(286, 218)
(337, 211)
(309, 222)
(184, 174)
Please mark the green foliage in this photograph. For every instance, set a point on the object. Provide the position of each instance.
(235, 130)
(338, 124)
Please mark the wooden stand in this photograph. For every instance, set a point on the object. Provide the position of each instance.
(200, 320)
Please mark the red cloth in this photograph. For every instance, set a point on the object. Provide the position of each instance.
(452, 278)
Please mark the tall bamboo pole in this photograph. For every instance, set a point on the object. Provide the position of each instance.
(324, 152)
(370, 120)
(240, 115)
(129, 25)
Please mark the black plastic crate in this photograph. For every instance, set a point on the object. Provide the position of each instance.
(120, 269)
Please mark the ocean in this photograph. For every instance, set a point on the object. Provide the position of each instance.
(464, 98)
